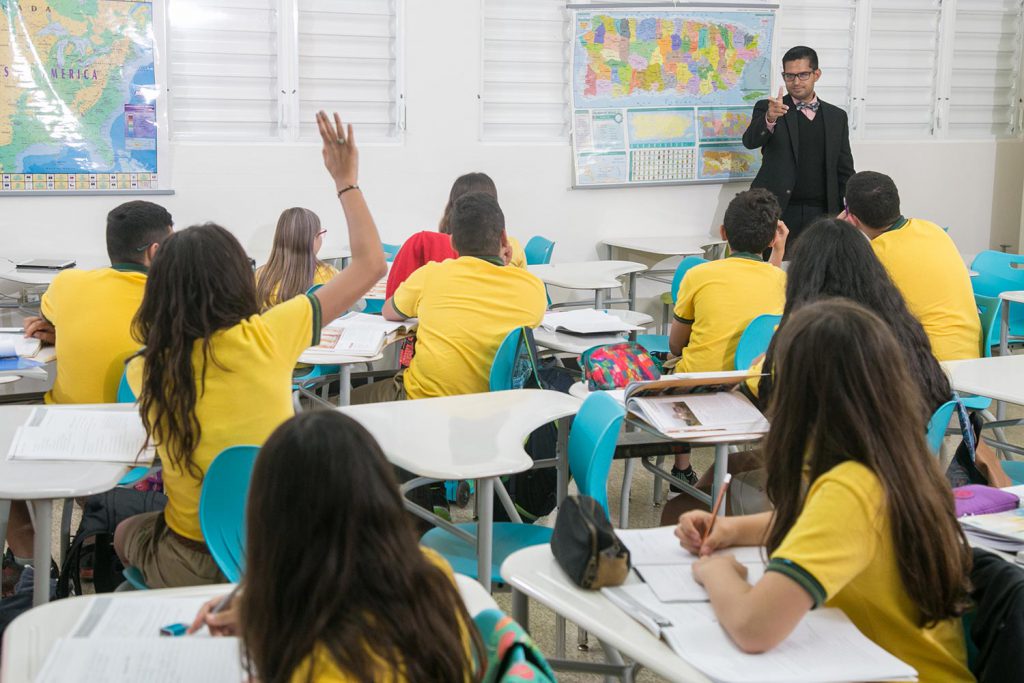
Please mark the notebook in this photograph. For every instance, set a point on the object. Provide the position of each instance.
(360, 334)
(585, 321)
(81, 434)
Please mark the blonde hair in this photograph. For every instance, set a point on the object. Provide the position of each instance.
(293, 263)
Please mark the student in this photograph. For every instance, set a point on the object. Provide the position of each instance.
(717, 300)
(923, 262)
(466, 306)
(293, 266)
(427, 246)
(342, 591)
(863, 520)
(215, 372)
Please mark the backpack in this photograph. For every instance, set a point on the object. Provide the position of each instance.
(512, 656)
(613, 366)
(100, 516)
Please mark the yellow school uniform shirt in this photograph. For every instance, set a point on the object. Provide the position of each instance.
(719, 299)
(518, 259)
(92, 311)
(326, 671)
(841, 551)
(466, 307)
(925, 266)
(247, 395)
(322, 276)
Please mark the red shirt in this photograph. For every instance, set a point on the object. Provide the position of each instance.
(418, 250)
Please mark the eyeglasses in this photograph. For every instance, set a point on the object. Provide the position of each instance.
(321, 233)
(803, 76)
(139, 250)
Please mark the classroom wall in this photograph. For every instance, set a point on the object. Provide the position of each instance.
(975, 188)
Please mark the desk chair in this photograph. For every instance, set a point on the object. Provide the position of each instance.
(313, 376)
(755, 339)
(658, 343)
(591, 447)
(937, 425)
(538, 251)
(999, 272)
(222, 508)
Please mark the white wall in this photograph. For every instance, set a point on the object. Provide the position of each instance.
(973, 187)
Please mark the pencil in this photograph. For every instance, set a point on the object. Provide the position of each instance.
(718, 505)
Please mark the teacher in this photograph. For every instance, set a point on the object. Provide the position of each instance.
(805, 145)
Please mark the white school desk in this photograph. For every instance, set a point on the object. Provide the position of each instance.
(474, 436)
(345, 363)
(566, 342)
(1000, 378)
(671, 245)
(36, 278)
(31, 636)
(533, 572)
(595, 275)
(41, 483)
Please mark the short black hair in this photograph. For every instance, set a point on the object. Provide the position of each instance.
(873, 198)
(132, 227)
(751, 220)
(477, 224)
(801, 52)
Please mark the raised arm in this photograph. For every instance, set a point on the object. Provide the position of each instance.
(367, 266)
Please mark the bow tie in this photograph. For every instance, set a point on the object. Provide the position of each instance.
(813, 106)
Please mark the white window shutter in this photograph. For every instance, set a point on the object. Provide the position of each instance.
(525, 93)
(223, 69)
(826, 26)
(348, 63)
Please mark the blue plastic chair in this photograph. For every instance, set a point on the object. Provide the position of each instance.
(126, 395)
(997, 274)
(658, 343)
(989, 312)
(375, 306)
(222, 508)
(937, 425)
(504, 362)
(538, 251)
(755, 339)
(591, 448)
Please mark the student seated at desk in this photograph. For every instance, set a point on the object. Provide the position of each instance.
(864, 519)
(924, 263)
(465, 306)
(293, 266)
(427, 246)
(215, 372)
(339, 589)
(717, 300)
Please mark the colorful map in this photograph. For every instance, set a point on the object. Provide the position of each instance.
(650, 59)
(723, 125)
(661, 127)
(78, 95)
(723, 162)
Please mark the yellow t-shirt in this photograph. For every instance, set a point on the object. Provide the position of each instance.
(325, 669)
(926, 267)
(719, 299)
(518, 253)
(247, 395)
(841, 551)
(322, 276)
(466, 307)
(92, 311)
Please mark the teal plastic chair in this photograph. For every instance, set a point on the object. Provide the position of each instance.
(222, 508)
(501, 377)
(755, 339)
(126, 395)
(988, 311)
(996, 274)
(538, 251)
(658, 343)
(937, 425)
(591, 447)
(375, 306)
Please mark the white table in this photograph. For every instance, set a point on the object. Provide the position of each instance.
(30, 637)
(345, 363)
(567, 342)
(669, 245)
(41, 483)
(34, 278)
(473, 436)
(534, 572)
(1000, 378)
(596, 275)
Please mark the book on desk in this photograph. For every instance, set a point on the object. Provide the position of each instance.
(360, 334)
(586, 321)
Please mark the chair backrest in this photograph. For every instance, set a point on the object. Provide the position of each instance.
(503, 367)
(538, 250)
(988, 311)
(996, 273)
(390, 251)
(755, 339)
(124, 391)
(684, 265)
(222, 508)
(595, 431)
(937, 425)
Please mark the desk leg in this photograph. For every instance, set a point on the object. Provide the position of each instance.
(345, 390)
(599, 297)
(1004, 328)
(562, 466)
(521, 609)
(721, 468)
(632, 291)
(42, 518)
(627, 483)
(484, 529)
(5, 516)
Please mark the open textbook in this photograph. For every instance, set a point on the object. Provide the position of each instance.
(154, 660)
(81, 434)
(15, 345)
(585, 321)
(360, 334)
(696, 405)
(999, 530)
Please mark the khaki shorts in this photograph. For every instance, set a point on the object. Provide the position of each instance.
(383, 391)
(164, 560)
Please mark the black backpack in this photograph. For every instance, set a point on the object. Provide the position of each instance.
(100, 516)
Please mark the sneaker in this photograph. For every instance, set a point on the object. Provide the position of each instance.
(689, 475)
(11, 574)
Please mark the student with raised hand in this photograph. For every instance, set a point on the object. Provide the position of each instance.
(338, 589)
(293, 266)
(216, 372)
(863, 520)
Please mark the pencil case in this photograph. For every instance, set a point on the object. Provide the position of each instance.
(585, 545)
(975, 499)
(613, 366)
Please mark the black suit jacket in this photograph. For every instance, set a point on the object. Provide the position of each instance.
(780, 151)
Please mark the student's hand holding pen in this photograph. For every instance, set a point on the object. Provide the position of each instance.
(40, 329)
(220, 615)
(694, 525)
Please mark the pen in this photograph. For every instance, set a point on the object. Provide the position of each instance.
(222, 605)
(718, 505)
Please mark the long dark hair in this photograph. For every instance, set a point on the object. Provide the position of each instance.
(333, 562)
(200, 282)
(464, 184)
(293, 263)
(833, 259)
(844, 393)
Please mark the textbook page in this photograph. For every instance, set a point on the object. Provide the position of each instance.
(675, 583)
(696, 415)
(75, 434)
(109, 617)
(660, 546)
(12, 345)
(154, 660)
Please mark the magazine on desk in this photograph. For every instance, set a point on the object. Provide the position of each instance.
(696, 405)
(360, 334)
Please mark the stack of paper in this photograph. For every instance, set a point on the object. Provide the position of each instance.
(81, 434)
(1000, 530)
(586, 321)
(359, 334)
(154, 660)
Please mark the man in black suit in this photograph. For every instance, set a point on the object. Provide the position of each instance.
(805, 145)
